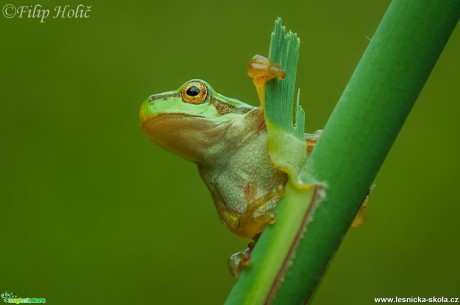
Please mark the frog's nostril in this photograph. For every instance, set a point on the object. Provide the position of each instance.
(152, 98)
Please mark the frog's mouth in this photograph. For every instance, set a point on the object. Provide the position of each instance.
(189, 136)
(171, 122)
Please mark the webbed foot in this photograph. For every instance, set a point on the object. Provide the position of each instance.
(239, 260)
(262, 69)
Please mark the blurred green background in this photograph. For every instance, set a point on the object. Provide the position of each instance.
(93, 213)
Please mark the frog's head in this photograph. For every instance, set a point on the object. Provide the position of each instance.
(190, 121)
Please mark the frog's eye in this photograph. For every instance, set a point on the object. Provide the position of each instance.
(194, 93)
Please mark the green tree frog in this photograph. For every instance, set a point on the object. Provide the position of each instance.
(228, 141)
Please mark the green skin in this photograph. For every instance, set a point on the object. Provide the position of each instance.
(227, 139)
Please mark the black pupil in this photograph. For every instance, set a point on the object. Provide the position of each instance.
(193, 91)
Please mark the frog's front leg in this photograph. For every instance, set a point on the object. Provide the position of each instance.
(262, 69)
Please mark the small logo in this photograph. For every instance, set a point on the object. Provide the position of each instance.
(6, 295)
(9, 297)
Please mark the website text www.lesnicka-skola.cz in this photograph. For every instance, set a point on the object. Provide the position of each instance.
(433, 299)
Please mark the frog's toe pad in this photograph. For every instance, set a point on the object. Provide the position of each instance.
(238, 261)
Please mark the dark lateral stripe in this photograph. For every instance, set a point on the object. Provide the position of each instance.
(163, 97)
(224, 108)
(221, 107)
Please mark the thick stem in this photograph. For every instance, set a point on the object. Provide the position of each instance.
(363, 126)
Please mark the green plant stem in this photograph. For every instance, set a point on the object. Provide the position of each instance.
(362, 128)
(351, 150)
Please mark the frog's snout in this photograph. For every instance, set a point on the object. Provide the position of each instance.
(144, 112)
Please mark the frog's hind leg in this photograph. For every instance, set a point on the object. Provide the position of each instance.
(251, 223)
(239, 260)
(360, 217)
(258, 211)
(312, 139)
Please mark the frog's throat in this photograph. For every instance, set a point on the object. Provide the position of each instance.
(200, 139)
